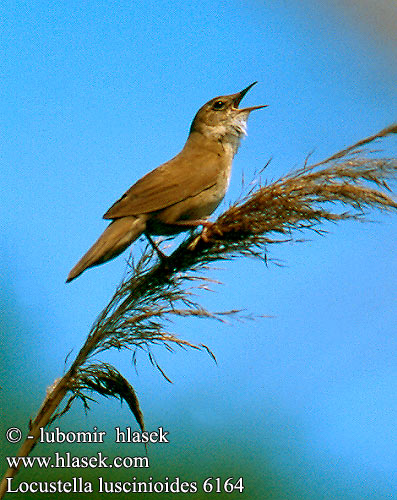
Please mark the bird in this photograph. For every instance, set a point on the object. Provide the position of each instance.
(183, 192)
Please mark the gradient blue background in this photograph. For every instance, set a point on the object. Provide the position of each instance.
(94, 95)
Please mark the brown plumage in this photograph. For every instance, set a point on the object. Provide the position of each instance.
(181, 192)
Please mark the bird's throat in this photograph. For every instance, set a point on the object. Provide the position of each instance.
(230, 134)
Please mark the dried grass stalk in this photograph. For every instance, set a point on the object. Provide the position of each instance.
(152, 291)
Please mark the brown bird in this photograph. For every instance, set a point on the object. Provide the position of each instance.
(181, 193)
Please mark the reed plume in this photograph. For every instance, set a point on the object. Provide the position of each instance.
(345, 186)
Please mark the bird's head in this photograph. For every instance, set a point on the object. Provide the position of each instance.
(222, 120)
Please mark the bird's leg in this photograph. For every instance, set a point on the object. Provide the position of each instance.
(194, 223)
(161, 255)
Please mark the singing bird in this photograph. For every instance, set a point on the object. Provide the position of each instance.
(181, 193)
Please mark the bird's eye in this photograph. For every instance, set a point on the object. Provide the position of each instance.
(218, 105)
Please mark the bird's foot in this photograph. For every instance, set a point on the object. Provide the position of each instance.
(198, 222)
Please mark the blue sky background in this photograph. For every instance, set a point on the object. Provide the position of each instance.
(96, 94)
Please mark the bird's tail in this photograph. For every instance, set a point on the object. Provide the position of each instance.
(114, 240)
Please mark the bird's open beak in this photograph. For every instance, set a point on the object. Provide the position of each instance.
(239, 97)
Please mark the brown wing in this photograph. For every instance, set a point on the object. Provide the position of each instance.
(168, 184)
